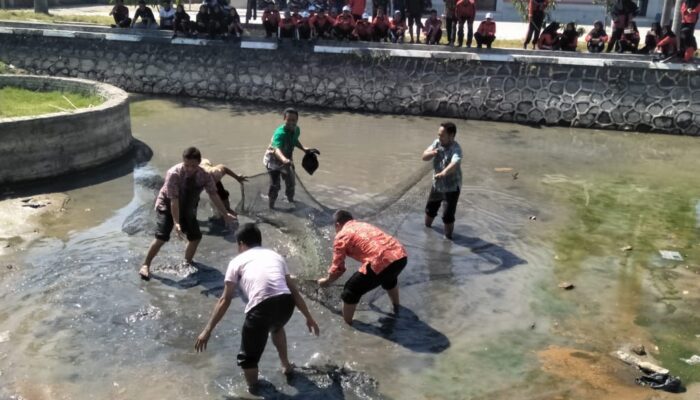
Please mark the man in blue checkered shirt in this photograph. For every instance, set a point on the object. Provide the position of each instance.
(446, 155)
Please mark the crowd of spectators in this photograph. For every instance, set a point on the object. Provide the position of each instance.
(347, 20)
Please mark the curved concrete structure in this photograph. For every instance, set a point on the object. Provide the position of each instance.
(54, 144)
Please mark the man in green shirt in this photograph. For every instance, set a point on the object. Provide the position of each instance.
(278, 160)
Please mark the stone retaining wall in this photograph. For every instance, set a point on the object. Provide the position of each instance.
(54, 144)
(625, 93)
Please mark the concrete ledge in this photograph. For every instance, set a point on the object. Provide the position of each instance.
(53, 144)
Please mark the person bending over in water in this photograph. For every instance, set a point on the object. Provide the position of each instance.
(176, 206)
(382, 257)
(271, 294)
(217, 173)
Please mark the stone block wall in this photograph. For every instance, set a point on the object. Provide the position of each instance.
(536, 90)
(54, 144)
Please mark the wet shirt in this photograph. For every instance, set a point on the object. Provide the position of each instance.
(445, 156)
(367, 244)
(260, 274)
(175, 185)
(285, 140)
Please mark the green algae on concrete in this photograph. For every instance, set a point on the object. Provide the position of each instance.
(18, 102)
(625, 222)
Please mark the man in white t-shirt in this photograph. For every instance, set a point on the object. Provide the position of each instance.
(167, 16)
(270, 295)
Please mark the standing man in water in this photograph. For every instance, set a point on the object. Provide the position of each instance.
(278, 158)
(446, 155)
(382, 257)
(176, 206)
(271, 295)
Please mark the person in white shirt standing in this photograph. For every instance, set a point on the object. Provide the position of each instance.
(270, 295)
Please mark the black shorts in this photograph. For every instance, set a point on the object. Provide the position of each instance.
(188, 223)
(270, 315)
(360, 283)
(436, 198)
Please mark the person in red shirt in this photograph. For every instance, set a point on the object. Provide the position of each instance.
(688, 44)
(296, 17)
(689, 13)
(535, 12)
(287, 28)
(465, 10)
(321, 25)
(304, 26)
(344, 24)
(433, 28)
(397, 30)
(382, 257)
(270, 19)
(357, 8)
(486, 33)
(629, 41)
(596, 38)
(667, 45)
(549, 39)
(364, 31)
(381, 25)
(121, 15)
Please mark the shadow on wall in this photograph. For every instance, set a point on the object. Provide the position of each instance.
(138, 155)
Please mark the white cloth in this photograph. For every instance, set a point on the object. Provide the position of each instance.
(168, 15)
(260, 274)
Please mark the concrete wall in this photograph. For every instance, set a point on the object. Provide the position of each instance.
(621, 93)
(54, 144)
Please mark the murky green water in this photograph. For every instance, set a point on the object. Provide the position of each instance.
(484, 309)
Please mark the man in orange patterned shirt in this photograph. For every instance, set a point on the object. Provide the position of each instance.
(382, 257)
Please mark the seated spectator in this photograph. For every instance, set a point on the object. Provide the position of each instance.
(596, 38)
(397, 30)
(287, 28)
(321, 25)
(181, 23)
(433, 28)
(486, 33)
(344, 24)
(629, 41)
(296, 17)
(667, 45)
(651, 39)
(304, 26)
(569, 38)
(120, 12)
(167, 16)
(219, 17)
(270, 19)
(364, 31)
(549, 39)
(688, 43)
(380, 26)
(233, 23)
(148, 20)
(206, 22)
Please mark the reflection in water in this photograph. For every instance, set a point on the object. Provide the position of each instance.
(82, 325)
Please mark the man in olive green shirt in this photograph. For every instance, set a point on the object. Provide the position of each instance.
(279, 162)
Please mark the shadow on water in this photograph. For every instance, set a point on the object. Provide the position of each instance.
(306, 389)
(211, 279)
(498, 257)
(406, 329)
(138, 155)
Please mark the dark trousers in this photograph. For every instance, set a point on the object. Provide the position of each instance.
(125, 23)
(534, 28)
(270, 29)
(451, 28)
(614, 39)
(286, 173)
(470, 30)
(484, 40)
(251, 10)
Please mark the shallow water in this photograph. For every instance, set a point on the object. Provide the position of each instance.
(484, 317)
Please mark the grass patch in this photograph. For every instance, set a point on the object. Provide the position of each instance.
(18, 15)
(18, 102)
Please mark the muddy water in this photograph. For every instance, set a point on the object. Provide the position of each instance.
(484, 317)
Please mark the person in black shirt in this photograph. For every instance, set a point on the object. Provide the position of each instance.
(182, 21)
(121, 15)
(148, 20)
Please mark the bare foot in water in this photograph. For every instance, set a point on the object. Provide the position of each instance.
(288, 369)
(144, 273)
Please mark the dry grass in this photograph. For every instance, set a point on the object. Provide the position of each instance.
(30, 16)
(18, 102)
